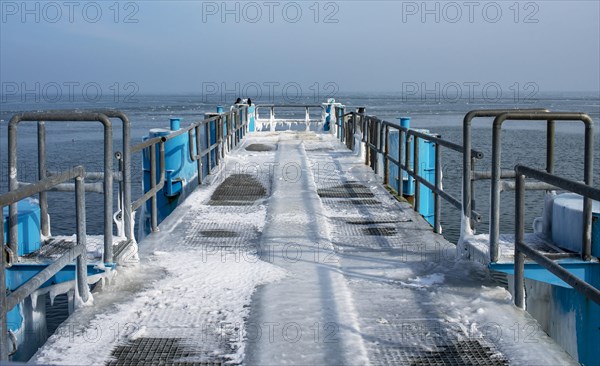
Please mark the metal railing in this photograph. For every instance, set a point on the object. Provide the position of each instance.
(375, 134)
(521, 248)
(272, 120)
(496, 174)
(236, 122)
(9, 300)
(60, 116)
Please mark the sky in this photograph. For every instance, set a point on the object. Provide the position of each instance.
(200, 47)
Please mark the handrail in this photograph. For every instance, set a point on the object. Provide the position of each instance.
(195, 154)
(467, 198)
(550, 117)
(79, 252)
(521, 248)
(272, 107)
(373, 128)
(63, 116)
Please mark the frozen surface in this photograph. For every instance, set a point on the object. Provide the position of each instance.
(312, 280)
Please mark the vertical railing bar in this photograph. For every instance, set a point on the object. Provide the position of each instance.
(153, 201)
(416, 173)
(198, 153)
(43, 197)
(401, 144)
(519, 266)
(550, 143)
(407, 153)
(438, 187)
(208, 157)
(3, 302)
(81, 266)
(386, 169)
(307, 118)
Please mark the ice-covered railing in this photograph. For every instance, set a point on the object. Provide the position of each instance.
(230, 129)
(78, 252)
(107, 175)
(496, 174)
(547, 260)
(354, 128)
(265, 114)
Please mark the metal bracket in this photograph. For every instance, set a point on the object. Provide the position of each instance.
(9, 256)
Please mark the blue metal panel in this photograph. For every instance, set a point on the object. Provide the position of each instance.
(588, 271)
(251, 121)
(180, 171)
(596, 234)
(426, 169)
(29, 226)
(20, 273)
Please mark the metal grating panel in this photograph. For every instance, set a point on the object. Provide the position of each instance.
(219, 233)
(357, 202)
(469, 352)
(52, 249)
(346, 190)
(261, 147)
(160, 351)
(238, 190)
(374, 222)
(379, 231)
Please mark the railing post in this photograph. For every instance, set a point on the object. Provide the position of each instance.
(550, 128)
(43, 197)
(82, 285)
(3, 302)
(386, 169)
(153, 202)
(438, 185)
(121, 204)
(307, 118)
(209, 160)
(416, 173)
(198, 153)
(519, 269)
(272, 119)
(407, 143)
(367, 141)
(401, 144)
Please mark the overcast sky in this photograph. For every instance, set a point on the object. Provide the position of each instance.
(189, 46)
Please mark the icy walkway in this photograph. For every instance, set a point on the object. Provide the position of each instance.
(324, 267)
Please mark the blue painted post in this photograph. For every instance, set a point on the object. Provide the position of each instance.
(327, 125)
(251, 110)
(175, 124)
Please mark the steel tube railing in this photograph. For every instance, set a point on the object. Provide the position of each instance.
(378, 130)
(62, 116)
(496, 168)
(521, 248)
(78, 253)
(467, 192)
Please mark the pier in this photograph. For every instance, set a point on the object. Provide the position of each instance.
(290, 250)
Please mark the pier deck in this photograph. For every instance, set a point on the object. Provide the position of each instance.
(296, 254)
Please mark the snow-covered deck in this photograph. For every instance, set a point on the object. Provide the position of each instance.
(296, 254)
